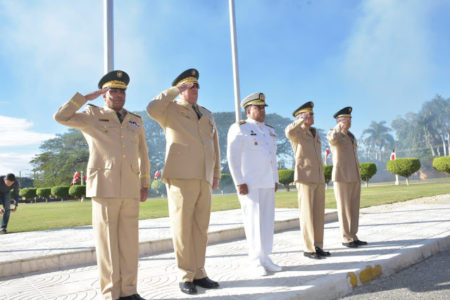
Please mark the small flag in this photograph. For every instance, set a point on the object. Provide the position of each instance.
(157, 173)
(393, 155)
(327, 153)
(76, 177)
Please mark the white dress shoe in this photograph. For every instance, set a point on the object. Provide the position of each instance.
(270, 266)
(259, 271)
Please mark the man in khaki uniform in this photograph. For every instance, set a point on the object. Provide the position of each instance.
(191, 170)
(309, 179)
(118, 176)
(346, 177)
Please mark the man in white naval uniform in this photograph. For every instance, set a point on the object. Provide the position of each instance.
(252, 160)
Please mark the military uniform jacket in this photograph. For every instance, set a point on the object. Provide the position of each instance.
(345, 155)
(251, 153)
(118, 158)
(307, 151)
(192, 144)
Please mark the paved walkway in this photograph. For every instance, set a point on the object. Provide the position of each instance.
(399, 235)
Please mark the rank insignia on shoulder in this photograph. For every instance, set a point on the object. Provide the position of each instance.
(134, 124)
(205, 108)
(252, 133)
(242, 122)
(90, 104)
(268, 125)
(103, 120)
(136, 115)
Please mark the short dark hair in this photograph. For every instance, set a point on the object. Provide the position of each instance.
(11, 177)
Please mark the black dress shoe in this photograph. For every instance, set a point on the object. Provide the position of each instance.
(188, 287)
(206, 283)
(350, 245)
(321, 252)
(360, 243)
(132, 297)
(312, 255)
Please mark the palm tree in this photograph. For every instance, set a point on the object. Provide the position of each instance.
(377, 138)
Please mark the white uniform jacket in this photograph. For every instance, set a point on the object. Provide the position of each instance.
(251, 154)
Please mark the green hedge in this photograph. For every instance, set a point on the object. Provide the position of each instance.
(442, 164)
(44, 192)
(77, 191)
(367, 170)
(60, 191)
(404, 166)
(28, 193)
(159, 187)
(286, 177)
(226, 183)
(327, 172)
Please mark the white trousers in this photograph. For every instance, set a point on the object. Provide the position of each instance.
(258, 209)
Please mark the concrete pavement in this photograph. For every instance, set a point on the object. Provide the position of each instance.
(399, 235)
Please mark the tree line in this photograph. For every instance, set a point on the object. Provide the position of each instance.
(424, 135)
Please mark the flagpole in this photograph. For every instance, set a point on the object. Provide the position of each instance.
(235, 60)
(108, 10)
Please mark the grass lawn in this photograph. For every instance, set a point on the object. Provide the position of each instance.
(55, 215)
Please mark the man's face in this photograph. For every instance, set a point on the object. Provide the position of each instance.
(257, 113)
(8, 182)
(346, 122)
(115, 99)
(191, 94)
(308, 118)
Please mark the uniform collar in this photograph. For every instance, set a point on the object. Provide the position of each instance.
(122, 112)
(254, 122)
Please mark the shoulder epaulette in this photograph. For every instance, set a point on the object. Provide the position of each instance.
(136, 115)
(242, 122)
(205, 108)
(269, 126)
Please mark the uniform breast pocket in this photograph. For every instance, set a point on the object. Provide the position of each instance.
(254, 145)
(132, 132)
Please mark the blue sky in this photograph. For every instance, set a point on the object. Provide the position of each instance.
(383, 57)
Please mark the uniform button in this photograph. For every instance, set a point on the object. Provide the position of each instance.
(123, 145)
(124, 156)
(121, 136)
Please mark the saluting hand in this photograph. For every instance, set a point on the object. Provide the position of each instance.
(242, 189)
(96, 94)
(184, 86)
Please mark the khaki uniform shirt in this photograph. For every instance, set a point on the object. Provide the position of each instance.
(192, 144)
(118, 157)
(307, 151)
(345, 155)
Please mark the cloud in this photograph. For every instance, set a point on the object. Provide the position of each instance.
(388, 52)
(15, 133)
(15, 163)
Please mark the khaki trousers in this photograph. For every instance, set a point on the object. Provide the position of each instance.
(115, 224)
(189, 210)
(347, 198)
(311, 201)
